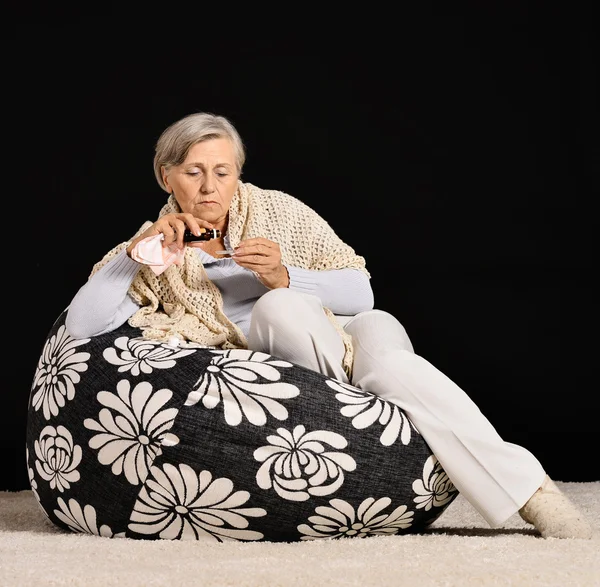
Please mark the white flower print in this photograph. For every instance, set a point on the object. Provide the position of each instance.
(57, 457)
(83, 520)
(132, 428)
(297, 464)
(57, 372)
(365, 409)
(33, 483)
(435, 488)
(180, 504)
(341, 521)
(140, 355)
(249, 385)
(31, 475)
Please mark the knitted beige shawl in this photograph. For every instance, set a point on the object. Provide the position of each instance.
(183, 302)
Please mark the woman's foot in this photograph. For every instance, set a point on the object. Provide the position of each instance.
(554, 515)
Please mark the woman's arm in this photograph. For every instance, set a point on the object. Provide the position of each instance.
(102, 303)
(344, 291)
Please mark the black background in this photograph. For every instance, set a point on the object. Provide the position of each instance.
(464, 139)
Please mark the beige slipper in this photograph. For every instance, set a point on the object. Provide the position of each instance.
(554, 515)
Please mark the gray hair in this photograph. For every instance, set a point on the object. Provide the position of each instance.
(177, 139)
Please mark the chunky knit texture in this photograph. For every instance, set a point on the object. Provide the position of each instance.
(554, 514)
(183, 302)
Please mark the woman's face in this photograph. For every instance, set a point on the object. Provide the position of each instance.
(205, 182)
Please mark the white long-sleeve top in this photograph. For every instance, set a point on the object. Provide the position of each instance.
(103, 303)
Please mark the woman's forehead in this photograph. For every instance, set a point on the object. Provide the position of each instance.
(212, 151)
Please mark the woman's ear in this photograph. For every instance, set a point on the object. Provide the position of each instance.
(165, 178)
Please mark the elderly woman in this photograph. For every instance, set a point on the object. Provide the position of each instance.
(277, 279)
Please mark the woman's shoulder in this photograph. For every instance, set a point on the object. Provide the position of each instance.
(274, 197)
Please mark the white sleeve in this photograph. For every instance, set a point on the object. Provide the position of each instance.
(344, 291)
(102, 303)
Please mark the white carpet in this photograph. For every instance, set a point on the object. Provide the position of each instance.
(459, 550)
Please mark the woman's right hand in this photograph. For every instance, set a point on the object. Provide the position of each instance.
(172, 226)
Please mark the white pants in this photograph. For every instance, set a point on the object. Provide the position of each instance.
(495, 476)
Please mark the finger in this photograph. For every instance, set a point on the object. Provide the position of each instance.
(179, 226)
(257, 264)
(259, 249)
(195, 224)
(254, 242)
(248, 256)
(252, 259)
(168, 233)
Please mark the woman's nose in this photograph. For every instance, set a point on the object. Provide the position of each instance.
(208, 185)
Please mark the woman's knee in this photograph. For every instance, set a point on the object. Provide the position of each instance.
(379, 328)
(278, 306)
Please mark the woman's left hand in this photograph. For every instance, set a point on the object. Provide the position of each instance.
(264, 258)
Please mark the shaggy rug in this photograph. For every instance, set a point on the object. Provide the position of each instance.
(459, 549)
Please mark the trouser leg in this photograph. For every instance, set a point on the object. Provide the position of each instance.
(495, 476)
(292, 325)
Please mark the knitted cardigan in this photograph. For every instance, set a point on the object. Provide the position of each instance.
(183, 302)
